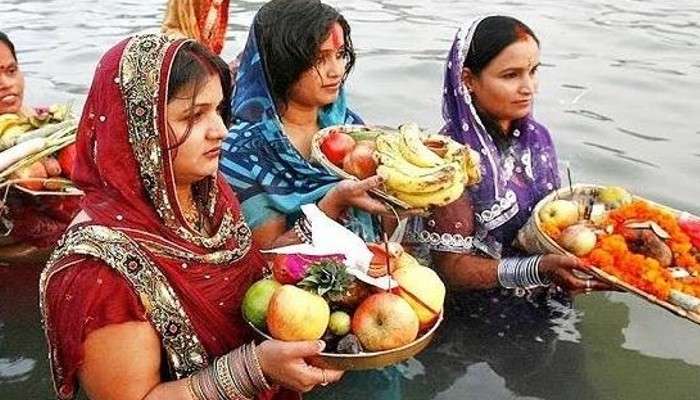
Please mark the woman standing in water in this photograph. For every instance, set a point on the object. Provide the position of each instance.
(142, 298)
(290, 85)
(488, 94)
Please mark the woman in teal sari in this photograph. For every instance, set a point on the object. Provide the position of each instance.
(290, 85)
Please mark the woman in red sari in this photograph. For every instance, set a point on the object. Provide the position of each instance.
(141, 300)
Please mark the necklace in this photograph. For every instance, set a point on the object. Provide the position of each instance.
(193, 217)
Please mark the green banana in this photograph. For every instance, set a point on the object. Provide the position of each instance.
(397, 180)
(412, 148)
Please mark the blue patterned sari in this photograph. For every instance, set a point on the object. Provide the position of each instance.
(270, 176)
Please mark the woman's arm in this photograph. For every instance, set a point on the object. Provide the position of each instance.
(468, 271)
(345, 194)
(123, 362)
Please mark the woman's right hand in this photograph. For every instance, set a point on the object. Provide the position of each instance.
(283, 363)
(351, 193)
(560, 270)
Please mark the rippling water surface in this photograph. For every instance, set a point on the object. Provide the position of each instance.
(619, 91)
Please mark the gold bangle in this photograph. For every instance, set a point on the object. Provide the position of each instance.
(259, 378)
(190, 388)
(224, 380)
(247, 387)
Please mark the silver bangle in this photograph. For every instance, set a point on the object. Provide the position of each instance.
(520, 272)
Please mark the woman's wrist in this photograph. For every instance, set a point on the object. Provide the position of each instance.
(521, 272)
(236, 375)
(331, 205)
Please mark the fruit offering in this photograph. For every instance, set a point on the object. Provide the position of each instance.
(36, 152)
(643, 247)
(421, 170)
(318, 297)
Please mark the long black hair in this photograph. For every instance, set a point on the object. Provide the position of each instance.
(6, 40)
(289, 34)
(192, 66)
(492, 35)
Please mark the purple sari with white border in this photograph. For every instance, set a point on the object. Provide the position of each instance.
(515, 177)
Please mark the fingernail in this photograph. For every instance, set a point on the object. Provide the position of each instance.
(321, 345)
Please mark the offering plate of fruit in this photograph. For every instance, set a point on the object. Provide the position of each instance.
(635, 244)
(421, 170)
(311, 297)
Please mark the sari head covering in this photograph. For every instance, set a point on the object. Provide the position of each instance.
(516, 177)
(203, 20)
(267, 172)
(187, 284)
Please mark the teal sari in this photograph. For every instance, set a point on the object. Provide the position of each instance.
(266, 171)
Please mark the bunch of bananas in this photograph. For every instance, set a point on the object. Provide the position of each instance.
(13, 125)
(425, 171)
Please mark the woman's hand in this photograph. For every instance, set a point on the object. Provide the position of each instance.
(560, 270)
(283, 363)
(351, 193)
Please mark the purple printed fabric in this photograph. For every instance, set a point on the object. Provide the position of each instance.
(515, 177)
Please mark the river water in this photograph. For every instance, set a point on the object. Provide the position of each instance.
(619, 91)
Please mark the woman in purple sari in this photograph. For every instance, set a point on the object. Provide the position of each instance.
(490, 84)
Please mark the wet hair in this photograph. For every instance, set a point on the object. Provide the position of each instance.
(192, 67)
(492, 35)
(6, 40)
(289, 34)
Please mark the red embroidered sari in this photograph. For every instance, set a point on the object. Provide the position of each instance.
(137, 259)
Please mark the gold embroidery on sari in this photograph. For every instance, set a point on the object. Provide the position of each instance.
(185, 352)
(139, 71)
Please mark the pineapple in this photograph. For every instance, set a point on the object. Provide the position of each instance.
(328, 279)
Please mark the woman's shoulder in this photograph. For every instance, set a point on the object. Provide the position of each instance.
(87, 286)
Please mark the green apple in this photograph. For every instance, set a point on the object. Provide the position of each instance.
(560, 213)
(339, 323)
(614, 196)
(256, 300)
(578, 239)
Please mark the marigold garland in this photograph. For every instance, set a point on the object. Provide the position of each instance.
(612, 254)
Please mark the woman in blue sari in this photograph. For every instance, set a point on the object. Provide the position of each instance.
(290, 85)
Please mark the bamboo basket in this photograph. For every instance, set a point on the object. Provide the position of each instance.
(369, 360)
(318, 156)
(534, 240)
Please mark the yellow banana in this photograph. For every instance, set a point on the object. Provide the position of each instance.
(7, 120)
(469, 159)
(399, 181)
(412, 148)
(437, 198)
(474, 167)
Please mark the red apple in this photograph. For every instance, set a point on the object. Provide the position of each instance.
(294, 314)
(384, 321)
(336, 146)
(361, 162)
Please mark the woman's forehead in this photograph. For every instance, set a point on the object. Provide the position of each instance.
(335, 40)
(522, 53)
